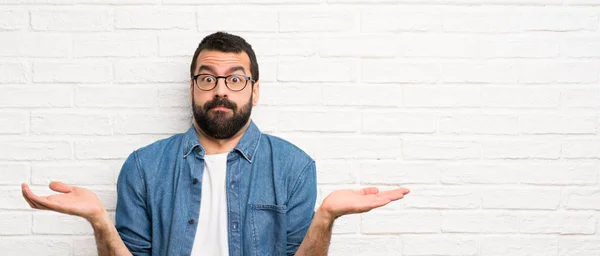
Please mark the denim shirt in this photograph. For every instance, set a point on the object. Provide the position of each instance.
(271, 192)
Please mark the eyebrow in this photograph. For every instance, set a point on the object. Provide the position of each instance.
(212, 70)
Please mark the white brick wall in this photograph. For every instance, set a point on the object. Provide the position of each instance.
(489, 110)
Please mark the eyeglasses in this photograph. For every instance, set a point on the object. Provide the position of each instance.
(235, 82)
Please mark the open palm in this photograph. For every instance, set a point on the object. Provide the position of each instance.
(342, 202)
(73, 200)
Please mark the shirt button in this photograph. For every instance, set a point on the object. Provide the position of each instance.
(191, 221)
(195, 181)
(234, 226)
(232, 185)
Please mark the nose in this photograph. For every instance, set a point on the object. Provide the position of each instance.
(221, 89)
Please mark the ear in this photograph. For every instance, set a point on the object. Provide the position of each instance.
(255, 93)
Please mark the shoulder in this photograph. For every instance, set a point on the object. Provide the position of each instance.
(284, 148)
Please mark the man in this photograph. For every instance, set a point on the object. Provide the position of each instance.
(221, 188)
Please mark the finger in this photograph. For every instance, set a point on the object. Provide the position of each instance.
(395, 194)
(30, 197)
(42, 202)
(60, 187)
(370, 190)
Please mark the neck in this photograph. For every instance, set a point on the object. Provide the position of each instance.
(218, 146)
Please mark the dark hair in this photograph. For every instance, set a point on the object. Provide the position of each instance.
(225, 42)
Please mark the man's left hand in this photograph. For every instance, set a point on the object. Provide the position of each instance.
(347, 201)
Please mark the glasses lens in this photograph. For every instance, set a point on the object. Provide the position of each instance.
(206, 82)
(236, 82)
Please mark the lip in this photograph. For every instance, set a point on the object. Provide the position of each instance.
(220, 108)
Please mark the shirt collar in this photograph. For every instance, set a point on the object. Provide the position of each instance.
(247, 146)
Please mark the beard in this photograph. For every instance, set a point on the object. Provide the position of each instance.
(216, 123)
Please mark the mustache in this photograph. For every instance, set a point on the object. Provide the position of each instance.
(220, 102)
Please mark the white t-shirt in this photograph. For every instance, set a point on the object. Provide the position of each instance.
(211, 234)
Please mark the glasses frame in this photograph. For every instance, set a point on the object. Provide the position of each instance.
(225, 79)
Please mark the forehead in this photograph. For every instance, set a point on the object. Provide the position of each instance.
(223, 60)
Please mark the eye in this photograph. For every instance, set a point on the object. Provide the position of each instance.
(208, 79)
(235, 79)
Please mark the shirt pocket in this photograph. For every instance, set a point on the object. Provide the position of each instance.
(268, 229)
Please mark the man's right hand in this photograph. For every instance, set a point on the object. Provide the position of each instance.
(72, 200)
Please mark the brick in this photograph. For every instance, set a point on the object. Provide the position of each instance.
(520, 97)
(496, 71)
(563, 124)
(398, 122)
(180, 46)
(574, 148)
(517, 46)
(14, 174)
(337, 172)
(27, 45)
(152, 122)
(344, 147)
(173, 95)
(411, 222)
(318, 20)
(582, 199)
(442, 96)
(269, 69)
(265, 118)
(15, 72)
(521, 149)
(359, 46)
(13, 122)
(581, 98)
(48, 2)
(365, 245)
(521, 199)
(518, 246)
(321, 70)
(439, 46)
(115, 147)
(398, 173)
(397, 20)
(83, 246)
(564, 173)
(444, 245)
(442, 199)
(45, 122)
(73, 173)
(347, 224)
(440, 149)
(35, 149)
(135, 71)
(108, 198)
(384, 71)
(558, 223)
(289, 95)
(13, 19)
(581, 46)
(479, 124)
(559, 20)
(72, 71)
(155, 18)
(350, 95)
(578, 246)
(482, 22)
(36, 96)
(46, 223)
(12, 199)
(114, 46)
(72, 20)
(280, 1)
(15, 223)
(118, 2)
(543, 72)
(485, 223)
(283, 46)
(103, 96)
(195, 2)
(265, 22)
(35, 246)
(328, 121)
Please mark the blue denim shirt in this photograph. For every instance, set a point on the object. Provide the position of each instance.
(271, 192)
